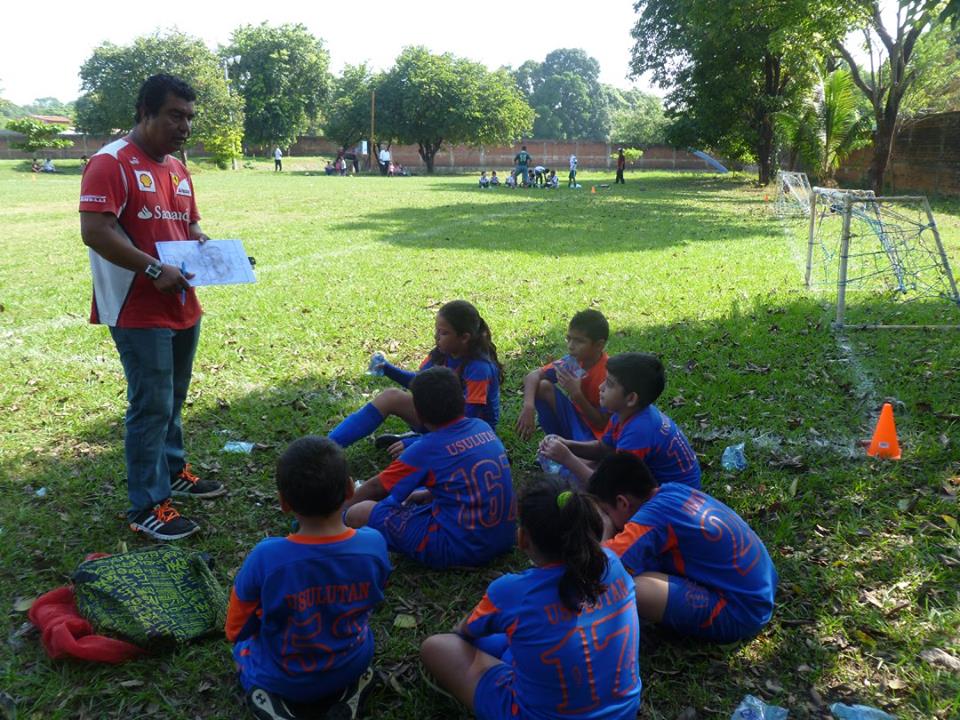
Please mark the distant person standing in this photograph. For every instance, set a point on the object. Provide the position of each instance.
(521, 160)
(134, 193)
(384, 157)
(621, 164)
(277, 160)
(572, 177)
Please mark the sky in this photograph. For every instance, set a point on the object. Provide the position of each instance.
(45, 62)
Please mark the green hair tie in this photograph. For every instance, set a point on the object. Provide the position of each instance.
(563, 498)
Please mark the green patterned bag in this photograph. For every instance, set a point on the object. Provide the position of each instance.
(157, 596)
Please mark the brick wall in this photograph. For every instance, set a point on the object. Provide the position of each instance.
(926, 159)
(451, 158)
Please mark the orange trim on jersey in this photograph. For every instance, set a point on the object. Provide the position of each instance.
(513, 628)
(394, 473)
(477, 391)
(239, 613)
(321, 539)
(624, 540)
(721, 604)
(673, 547)
(484, 607)
(640, 453)
(426, 538)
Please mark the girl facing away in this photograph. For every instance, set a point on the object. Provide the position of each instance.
(557, 641)
(463, 344)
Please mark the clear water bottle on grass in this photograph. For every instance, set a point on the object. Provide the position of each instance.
(377, 361)
(752, 708)
(734, 459)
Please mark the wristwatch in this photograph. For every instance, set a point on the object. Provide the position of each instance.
(153, 270)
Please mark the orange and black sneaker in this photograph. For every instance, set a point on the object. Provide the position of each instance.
(186, 484)
(163, 522)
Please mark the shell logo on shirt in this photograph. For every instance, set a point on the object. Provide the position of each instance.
(145, 181)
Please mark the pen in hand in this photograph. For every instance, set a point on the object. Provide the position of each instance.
(183, 293)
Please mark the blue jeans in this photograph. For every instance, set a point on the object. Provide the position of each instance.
(157, 363)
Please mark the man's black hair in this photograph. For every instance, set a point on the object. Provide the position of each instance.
(312, 476)
(640, 373)
(591, 323)
(621, 474)
(153, 93)
(437, 395)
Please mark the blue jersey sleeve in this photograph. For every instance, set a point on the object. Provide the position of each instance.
(249, 578)
(637, 546)
(491, 615)
(407, 473)
(398, 375)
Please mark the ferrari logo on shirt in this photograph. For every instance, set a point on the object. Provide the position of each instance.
(182, 185)
(145, 181)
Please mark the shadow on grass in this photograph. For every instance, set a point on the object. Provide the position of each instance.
(769, 373)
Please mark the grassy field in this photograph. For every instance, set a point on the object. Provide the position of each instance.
(692, 267)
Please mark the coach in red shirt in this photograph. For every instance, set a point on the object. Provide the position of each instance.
(134, 194)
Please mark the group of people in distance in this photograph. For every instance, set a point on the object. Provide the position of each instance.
(523, 175)
(620, 533)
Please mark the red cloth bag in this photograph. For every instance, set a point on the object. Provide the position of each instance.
(65, 633)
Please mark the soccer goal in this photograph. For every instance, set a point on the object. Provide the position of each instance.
(880, 253)
(793, 194)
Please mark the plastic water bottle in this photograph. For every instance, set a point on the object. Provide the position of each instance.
(733, 459)
(570, 365)
(858, 712)
(752, 708)
(377, 361)
(551, 467)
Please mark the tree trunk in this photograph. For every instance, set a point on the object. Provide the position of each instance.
(428, 153)
(771, 90)
(883, 144)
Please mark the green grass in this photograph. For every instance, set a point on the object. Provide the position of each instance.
(692, 267)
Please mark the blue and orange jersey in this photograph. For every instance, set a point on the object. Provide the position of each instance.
(681, 531)
(589, 385)
(465, 467)
(566, 664)
(655, 439)
(299, 609)
(481, 384)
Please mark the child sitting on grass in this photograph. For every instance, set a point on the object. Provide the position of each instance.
(484, 180)
(559, 640)
(575, 413)
(463, 344)
(494, 180)
(511, 181)
(697, 566)
(300, 604)
(448, 499)
(634, 381)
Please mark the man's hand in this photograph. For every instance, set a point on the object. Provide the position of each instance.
(526, 423)
(171, 280)
(197, 234)
(396, 449)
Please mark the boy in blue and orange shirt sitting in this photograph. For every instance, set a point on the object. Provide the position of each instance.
(698, 568)
(575, 413)
(447, 500)
(299, 607)
(634, 381)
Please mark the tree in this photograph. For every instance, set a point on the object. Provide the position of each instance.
(38, 135)
(565, 92)
(51, 106)
(637, 117)
(111, 79)
(428, 99)
(348, 115)
(892, 69)
(732, 67)
(282, 74)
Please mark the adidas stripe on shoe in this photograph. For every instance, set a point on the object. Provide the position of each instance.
(163, 522)
(186, 484)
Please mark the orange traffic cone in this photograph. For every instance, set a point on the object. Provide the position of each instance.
(593, 189)
(884, 443)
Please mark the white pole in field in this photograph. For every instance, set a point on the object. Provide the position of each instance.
(844, 254)
(943, 255)
(813, 222)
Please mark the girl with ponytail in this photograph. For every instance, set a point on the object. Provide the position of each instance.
(463, 344)
(557, 641)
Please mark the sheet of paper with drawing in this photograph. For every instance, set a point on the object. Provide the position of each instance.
(215, 262)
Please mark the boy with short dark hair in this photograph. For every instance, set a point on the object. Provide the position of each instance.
(300, 604)
(698, 567)
(634, 381)
(448, 498)
(574, 414)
